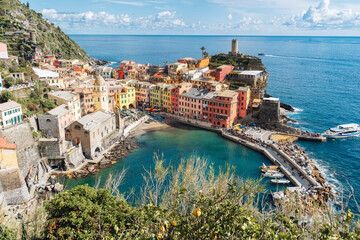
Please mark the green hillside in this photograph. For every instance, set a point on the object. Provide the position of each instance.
(24, 31)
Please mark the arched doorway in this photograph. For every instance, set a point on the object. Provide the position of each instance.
(124, 107)
(97, 149)
(131, 106)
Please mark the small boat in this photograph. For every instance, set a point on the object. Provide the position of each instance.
(261, 54)
(273, 174)
(280, 181)
(269, 167)
(343, 131)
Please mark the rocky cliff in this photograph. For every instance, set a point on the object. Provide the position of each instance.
(26, 32)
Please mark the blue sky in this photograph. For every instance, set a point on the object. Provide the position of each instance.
(208, 17)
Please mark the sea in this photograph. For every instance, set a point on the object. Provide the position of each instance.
(318, 76)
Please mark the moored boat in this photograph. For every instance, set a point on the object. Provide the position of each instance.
(273, 174)
(280, 181)
(343, 131)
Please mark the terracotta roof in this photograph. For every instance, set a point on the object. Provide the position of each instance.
(4, 144)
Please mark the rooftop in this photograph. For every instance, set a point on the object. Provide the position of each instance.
(4, 144)
(93, 120)
(227, 93)
(9, 105)
(195, 93)
(45, 74)
(59, 111)
(243, 89)
(254, 73)
(65, 95)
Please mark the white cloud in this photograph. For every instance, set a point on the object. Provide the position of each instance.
(324, 17)
(162, 20)
(132, 3)
(230, 16)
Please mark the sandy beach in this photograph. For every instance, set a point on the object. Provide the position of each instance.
(153, 126)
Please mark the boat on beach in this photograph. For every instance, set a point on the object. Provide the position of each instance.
(343, 131)
(280, 181)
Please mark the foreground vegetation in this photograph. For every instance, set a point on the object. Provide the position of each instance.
(189, 202)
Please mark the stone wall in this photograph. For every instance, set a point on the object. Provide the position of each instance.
(33, 122)
(74, 158)
(19, 134)
(49, 126)
(53, 147)
(13, 186)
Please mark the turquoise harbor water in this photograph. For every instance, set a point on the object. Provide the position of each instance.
(317, 75)
(176, 144)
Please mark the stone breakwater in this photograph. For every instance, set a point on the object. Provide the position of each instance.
(292, 161)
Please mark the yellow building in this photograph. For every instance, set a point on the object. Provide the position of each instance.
(203, 62)
(126, 99)
(8, 157)
(176, 68)
(166, 97)
(156, 95)
(133, 74)
(170, 80)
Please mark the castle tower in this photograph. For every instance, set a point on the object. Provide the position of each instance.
(101, 96)
(234, 46)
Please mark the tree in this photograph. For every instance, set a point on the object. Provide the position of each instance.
(202, 50)
(9, 81)
(205, 54)
(6, 96)
(86, 213)
(27, 5)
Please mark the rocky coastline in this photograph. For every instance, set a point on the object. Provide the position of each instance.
(115, 154)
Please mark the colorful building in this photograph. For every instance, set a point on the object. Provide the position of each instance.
(244, 100)
(156, 95)
(3, 51)
(10, 114)
(101, 94)
(70, 99)
(8, 157)
(166, 97)
(126, 99)
(220, 108)
(190, 103)
(176, 68)
(175, 95)
(222, 72)
(53, 123)
(203, 62)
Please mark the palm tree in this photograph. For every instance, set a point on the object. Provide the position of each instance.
(202, 50)
(166, 62)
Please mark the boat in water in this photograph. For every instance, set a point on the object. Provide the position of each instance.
(343, 131)
(273, 174)
(280, 181)
(261, 54)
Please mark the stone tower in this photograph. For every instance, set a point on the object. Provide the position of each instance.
(101, 97)
(234, 46)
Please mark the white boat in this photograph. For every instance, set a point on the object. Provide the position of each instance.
(343, 131)
(273, 174)
(280, 181)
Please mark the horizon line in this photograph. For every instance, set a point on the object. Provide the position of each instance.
(206, 35)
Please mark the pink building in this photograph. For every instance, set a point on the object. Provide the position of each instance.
(220, 108)
(190, 103)
(113, 87)
(244, 100)
(53, 123)
(175, 94)
(3, 50)
(222, 72)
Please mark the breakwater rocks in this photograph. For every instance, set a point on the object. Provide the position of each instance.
(119, 151)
